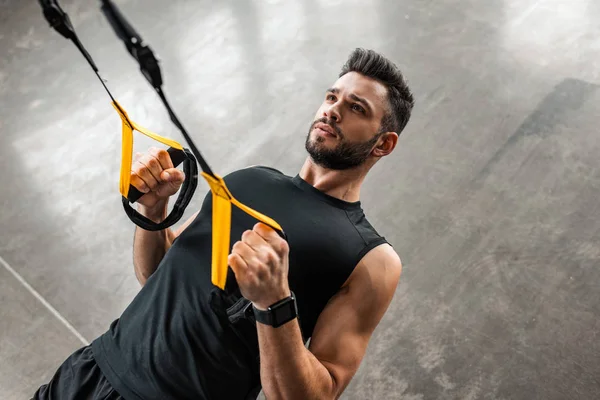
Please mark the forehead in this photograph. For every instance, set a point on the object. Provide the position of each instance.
(362, 86)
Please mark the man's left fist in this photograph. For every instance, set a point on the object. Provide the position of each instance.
(260, 263)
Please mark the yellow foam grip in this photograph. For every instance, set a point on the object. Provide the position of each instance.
(127, 146)
(221, 226)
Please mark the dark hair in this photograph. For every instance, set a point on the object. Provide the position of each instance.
(401, 101)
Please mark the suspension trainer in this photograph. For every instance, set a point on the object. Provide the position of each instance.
(149, 66)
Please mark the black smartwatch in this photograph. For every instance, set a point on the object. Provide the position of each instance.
(279, 313)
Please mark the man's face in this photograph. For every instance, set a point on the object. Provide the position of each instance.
(347, 125)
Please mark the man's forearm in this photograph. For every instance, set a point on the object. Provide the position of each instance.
(149, 248)
(288, 369)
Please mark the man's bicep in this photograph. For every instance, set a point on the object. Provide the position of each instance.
(338, 341)
(346, 324)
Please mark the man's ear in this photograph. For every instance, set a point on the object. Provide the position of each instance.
(386, 144)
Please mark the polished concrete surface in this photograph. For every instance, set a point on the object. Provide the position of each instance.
(491, 197)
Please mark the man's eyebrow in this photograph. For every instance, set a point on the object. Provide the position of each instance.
(360, 100)
(333, 90)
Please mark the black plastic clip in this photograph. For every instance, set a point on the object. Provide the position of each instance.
(133, 43)
(241, 309)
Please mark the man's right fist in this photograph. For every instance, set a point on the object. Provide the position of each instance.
(153, 173)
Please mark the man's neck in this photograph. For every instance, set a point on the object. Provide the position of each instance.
(344, 185)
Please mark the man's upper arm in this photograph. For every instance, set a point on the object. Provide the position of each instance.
(343, 330)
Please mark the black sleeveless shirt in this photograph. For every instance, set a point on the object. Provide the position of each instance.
(176, 341)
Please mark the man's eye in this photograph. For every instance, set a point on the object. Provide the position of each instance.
(331, 97)
(358, 108)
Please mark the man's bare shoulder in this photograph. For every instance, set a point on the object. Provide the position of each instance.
(380, 261)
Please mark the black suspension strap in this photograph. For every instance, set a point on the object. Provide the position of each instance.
(149, 67)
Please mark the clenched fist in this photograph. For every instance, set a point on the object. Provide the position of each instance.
(260, 263)
(153, 173)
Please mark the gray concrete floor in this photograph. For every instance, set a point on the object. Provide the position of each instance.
(491, 198)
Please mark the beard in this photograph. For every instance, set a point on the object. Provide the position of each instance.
(345, 155)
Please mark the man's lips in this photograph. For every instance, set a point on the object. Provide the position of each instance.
(326, 128)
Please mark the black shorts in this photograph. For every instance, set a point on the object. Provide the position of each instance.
(78, 378)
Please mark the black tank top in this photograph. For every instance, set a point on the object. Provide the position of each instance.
(176, 341)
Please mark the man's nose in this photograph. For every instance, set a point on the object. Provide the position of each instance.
(333, 113)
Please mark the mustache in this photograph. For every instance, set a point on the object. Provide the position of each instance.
(331, 123)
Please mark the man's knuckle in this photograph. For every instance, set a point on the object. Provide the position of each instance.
(137, 182)
(261, 272)
(240, 248)
(153, 163)
(161, 154)
(270, 256)
(284, 246)
(136, 167)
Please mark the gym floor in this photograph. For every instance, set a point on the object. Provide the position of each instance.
(491, 197)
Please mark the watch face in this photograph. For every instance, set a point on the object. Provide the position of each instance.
(284, 312)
